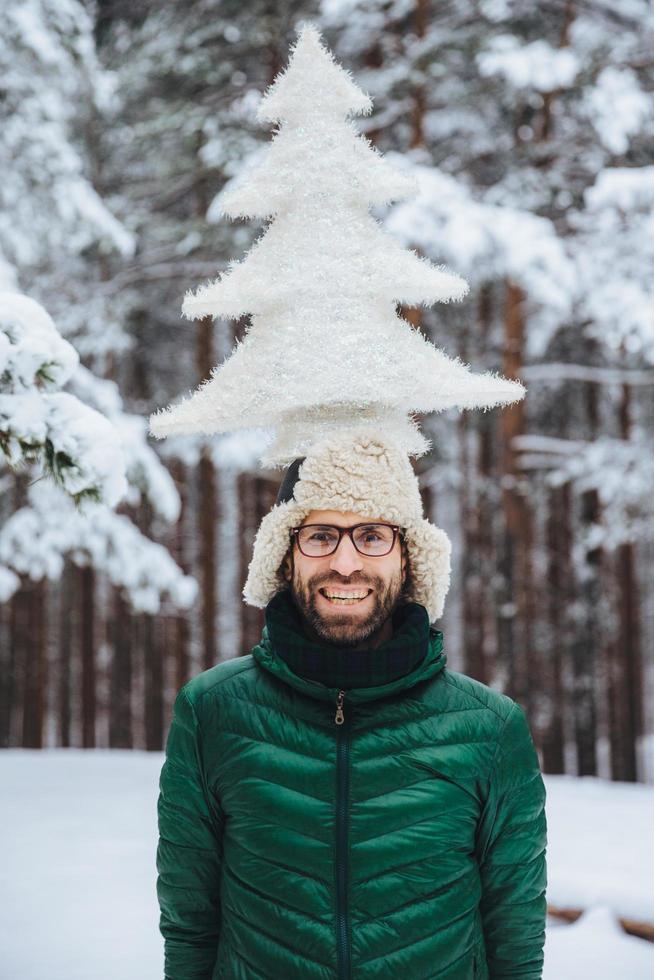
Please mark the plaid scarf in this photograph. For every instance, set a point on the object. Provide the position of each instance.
(345, 668)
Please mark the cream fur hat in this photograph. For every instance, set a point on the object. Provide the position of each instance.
(370, 475)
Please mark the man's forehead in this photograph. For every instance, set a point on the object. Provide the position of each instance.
(341, 517)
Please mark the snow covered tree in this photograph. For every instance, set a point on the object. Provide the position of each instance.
(527, 129)
(519, 109)
(187, 78)
(53, 219)
(80, 449)
(90, 457)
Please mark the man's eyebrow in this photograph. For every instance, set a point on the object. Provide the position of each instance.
(354, 524)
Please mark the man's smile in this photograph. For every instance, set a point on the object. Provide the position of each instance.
(341, 596)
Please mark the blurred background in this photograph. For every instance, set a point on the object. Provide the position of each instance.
(530, 128)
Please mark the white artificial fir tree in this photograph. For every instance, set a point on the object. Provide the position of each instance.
(326, 346)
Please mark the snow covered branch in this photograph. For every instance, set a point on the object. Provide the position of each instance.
(554, 372)
(78, 446)
(621, 472)
(97, 457)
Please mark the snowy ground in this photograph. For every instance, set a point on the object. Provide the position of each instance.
(77, 870)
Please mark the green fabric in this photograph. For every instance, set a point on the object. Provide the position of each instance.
(341, 667)
(407, 842)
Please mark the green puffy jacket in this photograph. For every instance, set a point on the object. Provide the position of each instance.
(407, 841)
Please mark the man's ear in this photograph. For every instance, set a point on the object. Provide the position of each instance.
(287, 567)
(405, 561)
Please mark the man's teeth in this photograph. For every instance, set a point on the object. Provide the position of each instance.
(345, 597)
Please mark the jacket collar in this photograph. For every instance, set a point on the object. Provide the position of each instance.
(414, 653)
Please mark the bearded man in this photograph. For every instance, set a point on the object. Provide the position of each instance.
(338, 804)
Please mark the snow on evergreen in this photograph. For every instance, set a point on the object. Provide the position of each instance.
(322, 283)
(147, 477)
(32, 351)
(613, 250)
(78, 445)
(36, 539)
(535, 65)
(96, 460)
(55, 232)
(49, 67)
(488, 241)
(618, 107)
(620, 470)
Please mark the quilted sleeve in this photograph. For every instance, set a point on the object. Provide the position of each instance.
(189, 853)
(512, 844)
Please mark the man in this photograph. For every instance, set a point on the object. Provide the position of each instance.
(338, 804)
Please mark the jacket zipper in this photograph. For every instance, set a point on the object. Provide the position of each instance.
(342, 760)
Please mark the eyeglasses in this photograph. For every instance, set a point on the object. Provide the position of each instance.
(320, 540)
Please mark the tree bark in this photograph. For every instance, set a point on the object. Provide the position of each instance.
(421, 19)
(86, 579)
(7, 675)
(33, 647)
(626, 669)
(478, 559)
(516, 615)
(181, 629)
(253, 507)
(67, 635)
(560, 593)
(207, 513)
(153, 666)
(121, 723)
(586, 653)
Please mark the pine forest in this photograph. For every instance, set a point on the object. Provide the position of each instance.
(128, 133)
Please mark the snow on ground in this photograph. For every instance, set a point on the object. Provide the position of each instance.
(78, 834)
(599, 845)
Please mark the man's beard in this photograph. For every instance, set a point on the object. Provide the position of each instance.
(345, 629)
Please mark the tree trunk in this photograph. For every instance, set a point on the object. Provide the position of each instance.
(251, 512)
(86, 579)
(589, 634)
(559, 595)
(66, 638)
(472, 585)
(153, 666)
(585, 650)
(121, 729)
(421, 19)
(152, 655)
(207, 513)
(7, 675)
(478, 559)
(33, 649)
(230, 599)
(626, 673)
(181, 629)
(516, 614)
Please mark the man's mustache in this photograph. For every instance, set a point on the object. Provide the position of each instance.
(344, 581)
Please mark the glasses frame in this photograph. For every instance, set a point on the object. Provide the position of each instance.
(295, 536)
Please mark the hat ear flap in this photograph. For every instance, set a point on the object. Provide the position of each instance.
(271, 543)
(430, 551)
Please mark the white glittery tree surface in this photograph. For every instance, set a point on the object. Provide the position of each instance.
(326, 348)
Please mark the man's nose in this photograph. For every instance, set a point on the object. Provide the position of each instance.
(346, 559)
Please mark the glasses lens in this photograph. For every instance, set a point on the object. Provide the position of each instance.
(374, 539)
(316, 540)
